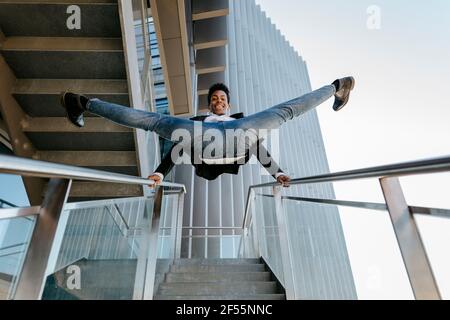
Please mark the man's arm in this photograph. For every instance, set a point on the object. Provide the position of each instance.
(267, 161)
(165, 166)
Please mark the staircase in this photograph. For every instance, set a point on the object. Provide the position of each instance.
(186, 279)
(219, 279)
(43, 57)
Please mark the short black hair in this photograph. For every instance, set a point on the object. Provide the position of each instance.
(215, 87)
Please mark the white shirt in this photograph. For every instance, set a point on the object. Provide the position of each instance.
(217, 118)
(220, 118)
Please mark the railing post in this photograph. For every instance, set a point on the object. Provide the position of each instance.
(33, 275)
(144, 244)
(413, 252)
(256, 237)
(248, 218)
(284, 244)
(241, 247)
(153, 245)
(179, 227)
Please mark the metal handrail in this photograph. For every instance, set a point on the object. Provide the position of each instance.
(417, 264)
(11, 254)
(11, 213)
(32, 275)
(13, 246)
(44, 169)
(445, 213)
(427, 166)
(7, 203)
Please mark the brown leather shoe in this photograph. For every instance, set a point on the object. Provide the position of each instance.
(344, 85)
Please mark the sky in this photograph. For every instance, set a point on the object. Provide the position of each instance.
(399, 53)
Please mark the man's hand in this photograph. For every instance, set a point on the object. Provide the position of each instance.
(284, 180)
(155, 178)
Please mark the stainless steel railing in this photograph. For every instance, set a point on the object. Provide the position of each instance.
(142, 96)
(418, 267)
(412, 249)
(9, 204)
(33, 274)
(36, 168)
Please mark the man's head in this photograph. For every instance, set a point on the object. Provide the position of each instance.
(218, 98)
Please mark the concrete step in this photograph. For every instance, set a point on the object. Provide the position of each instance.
(65, 58)
(203, 36)
(218, 268)
(98, 134)
(86, 191)
(216, 289)
(217, 277)
(222, 297)
(49, 18)
(58, 125)
(185, 262)
(87, 141)
(101, 190)
(123, 162)
(41, 97)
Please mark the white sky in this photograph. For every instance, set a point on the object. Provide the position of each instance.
(399, 111)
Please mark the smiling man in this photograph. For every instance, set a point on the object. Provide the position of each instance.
(248, 131)
(210, 169)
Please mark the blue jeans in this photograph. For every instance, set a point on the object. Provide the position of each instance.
(165, 126)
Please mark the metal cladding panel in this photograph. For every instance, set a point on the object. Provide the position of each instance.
(264, 70)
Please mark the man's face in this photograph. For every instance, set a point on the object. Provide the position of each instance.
(219, 102)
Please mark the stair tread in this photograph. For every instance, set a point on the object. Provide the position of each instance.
(92, 141)
(51, 124)
(191, 277)
(71, 64)
(217, 261)
(68, 44)
(208, 268)
(215, 289)
(97, 19)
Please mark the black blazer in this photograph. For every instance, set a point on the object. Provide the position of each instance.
(211, 172)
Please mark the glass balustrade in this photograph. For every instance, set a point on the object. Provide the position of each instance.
(15, 235)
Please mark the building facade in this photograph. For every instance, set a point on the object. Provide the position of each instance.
(263, 69)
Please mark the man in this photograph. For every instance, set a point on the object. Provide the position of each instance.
(249, 129)
(218, 101)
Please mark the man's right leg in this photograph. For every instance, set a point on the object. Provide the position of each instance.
(162, 125)
(127, 117)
